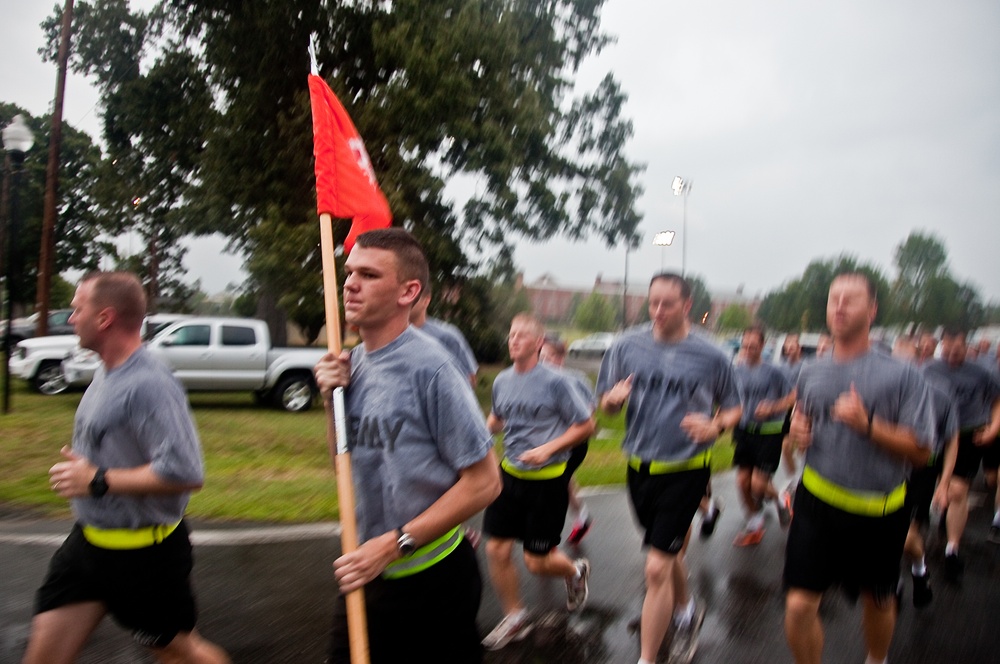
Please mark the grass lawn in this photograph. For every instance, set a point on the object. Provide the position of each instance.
(261, 464)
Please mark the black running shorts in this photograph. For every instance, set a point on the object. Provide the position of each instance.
(757, 451)
(665, 504)
(532, 511)
(827, 546)
(971, 455)
(147, 591)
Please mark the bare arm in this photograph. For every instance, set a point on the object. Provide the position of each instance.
(71, 479)
(477, 487)
(704, 429)
(989, 433)
(612, 401)
(494, 423)
(890, 436)
(572, 436)
(940, 498)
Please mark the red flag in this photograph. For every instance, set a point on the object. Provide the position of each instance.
(346, 187)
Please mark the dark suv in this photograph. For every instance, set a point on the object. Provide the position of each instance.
(23, 328)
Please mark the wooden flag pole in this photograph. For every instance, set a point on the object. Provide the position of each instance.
(336, 438)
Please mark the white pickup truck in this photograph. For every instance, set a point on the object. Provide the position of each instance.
(228, 355)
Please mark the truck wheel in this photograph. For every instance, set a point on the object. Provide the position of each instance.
(294, 394)
(50, 379)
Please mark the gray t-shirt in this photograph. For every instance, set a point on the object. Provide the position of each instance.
(580, 381)
(889, 389)
(945, 417)
(974, 389)
(791, 372)
(133, 415)
(414, 423)
(536, 406)
(762, 382)
(669, 381)
(454, 341)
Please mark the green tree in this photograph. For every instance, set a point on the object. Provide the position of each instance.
(596, 314)
(919, 259)
(800, 305)
(438, 89)
(734, 317)
(701, 301)
(156, 108)
(76, 245)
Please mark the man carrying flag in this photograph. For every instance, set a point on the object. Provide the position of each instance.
(423, 463)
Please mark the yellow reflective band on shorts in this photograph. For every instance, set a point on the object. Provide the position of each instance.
(765, 428)
(545, 473)
(702, 460)
(123, 539)
(861, 503)
(426, 556)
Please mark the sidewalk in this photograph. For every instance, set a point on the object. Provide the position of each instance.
(265, 595)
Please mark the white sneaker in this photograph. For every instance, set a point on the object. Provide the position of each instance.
(576, 589)
(511, 628)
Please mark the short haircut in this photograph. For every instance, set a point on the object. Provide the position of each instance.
(755, 329)
(557, 346)
(673, 277)
(530, 321)
(869, 283)
(123, 292)
(411, 260)
(955, 331)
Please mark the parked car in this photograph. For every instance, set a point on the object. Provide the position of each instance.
(39, 361)
(25, 328)
(226, 355)
(593, 346)
(80, 364)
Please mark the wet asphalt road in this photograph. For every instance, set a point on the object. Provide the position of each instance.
(265, 596)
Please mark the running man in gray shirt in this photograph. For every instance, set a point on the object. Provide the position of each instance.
(446, 334)
(976, 392)
(134, 462)
(423, 464)
(864, 420)
(681, 395)
(543, 415)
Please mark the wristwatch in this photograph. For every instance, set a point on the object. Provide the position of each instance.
(406, 543)
(98, 485)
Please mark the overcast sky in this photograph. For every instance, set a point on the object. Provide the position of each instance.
(808, 130)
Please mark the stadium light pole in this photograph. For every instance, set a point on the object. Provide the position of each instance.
(682, 187)
(663, 239)
(17, 139)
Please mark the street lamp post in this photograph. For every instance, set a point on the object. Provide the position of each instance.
(682, 187)
(17, 139)
(663, 239)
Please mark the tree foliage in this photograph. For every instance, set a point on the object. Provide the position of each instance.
(596, 313)
(156, 108)
(440, 90)
(734, 317)
(75, 235)
(800, 305)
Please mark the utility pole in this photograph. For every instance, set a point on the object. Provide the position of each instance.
(46, 261)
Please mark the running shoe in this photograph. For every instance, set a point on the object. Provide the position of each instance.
(749, 537)
(710, 519)
(580, 529)
(922, 593)
(576, 589)
(685, 640)
(511, 628)
(953, 568)
(784, 506)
